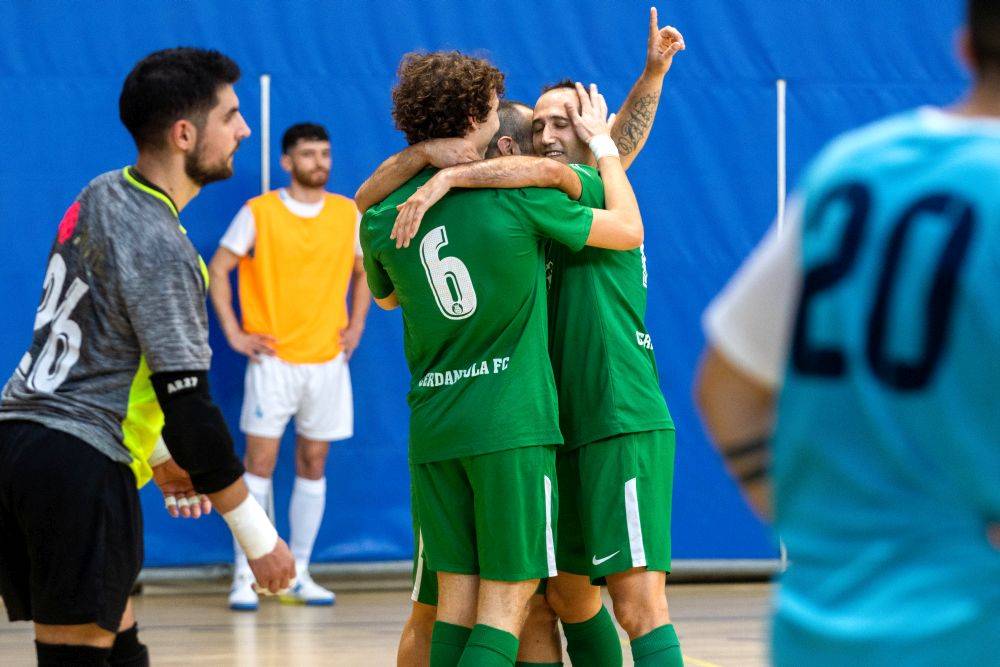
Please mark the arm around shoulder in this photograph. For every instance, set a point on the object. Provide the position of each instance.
(404, 165)
(514, 171)
(391, 174)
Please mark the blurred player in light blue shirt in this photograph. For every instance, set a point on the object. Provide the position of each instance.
(853, 373)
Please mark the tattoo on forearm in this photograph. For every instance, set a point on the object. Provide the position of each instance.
(636, 125)
(749, 461)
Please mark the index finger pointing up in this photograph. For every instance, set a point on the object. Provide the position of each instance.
(654, 27)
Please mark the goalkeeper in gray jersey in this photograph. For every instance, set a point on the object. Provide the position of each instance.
(122, 316)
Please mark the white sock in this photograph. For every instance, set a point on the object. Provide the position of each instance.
(305, 513)
(260, 489)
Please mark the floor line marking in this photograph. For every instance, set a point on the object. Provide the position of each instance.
(699, 663)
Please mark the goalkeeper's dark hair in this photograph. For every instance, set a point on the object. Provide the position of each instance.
(169, 85)
(984, 30)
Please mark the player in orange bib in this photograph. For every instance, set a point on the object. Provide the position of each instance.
(297, 254)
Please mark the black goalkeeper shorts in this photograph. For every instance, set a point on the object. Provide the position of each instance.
(70, 529)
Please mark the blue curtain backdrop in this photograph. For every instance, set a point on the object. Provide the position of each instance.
(706, 180)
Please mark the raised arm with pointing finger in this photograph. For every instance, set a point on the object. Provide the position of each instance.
(630, 129)
(635, 118)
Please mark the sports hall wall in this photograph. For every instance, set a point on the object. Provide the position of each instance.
(706, 181)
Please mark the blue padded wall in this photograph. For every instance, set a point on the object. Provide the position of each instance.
(706, 180)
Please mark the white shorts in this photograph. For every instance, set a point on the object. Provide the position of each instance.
(319, 396)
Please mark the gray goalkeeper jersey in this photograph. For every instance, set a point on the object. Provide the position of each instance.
(123, 282)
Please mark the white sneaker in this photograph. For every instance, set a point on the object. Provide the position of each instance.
(306, 591)
(242, 596)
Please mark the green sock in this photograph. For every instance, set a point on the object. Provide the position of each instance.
(447, 643)
(658, 648)
(489, 647)
(593, 643)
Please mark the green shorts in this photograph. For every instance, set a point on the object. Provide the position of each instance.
(424, 579)
(493, 515)
(615, 504)
(425, 583)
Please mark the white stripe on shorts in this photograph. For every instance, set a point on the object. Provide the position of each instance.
(634, 524)
(550, 543)
(415, 595)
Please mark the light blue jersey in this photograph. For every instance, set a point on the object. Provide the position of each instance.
(887, 449)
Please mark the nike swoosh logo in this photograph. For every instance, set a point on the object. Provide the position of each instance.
(598, 561)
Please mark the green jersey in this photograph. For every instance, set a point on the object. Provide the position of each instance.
(472, 290)
(601, 353)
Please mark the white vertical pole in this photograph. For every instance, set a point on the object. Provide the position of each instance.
(265, 133)
(782, 88)
(782, 165)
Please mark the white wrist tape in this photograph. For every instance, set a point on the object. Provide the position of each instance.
(251, 528)
(602, 145)
(160, 453)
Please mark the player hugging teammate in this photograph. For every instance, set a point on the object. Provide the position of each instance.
(615, 469)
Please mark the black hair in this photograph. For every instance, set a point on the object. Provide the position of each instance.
(565, 83)
(984, 28)
(513, 125)
(169, 85)
(302, 132)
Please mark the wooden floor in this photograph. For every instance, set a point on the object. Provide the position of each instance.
(719, 625)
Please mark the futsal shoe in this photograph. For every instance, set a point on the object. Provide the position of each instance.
(242, 596)
(308, 592)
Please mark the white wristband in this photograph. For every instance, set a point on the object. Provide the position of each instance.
(251, 528)
(602, 145)
(160, 453)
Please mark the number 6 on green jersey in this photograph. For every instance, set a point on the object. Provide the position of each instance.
(448, 276)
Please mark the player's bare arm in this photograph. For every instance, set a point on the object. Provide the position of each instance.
(406, 164)
(635, 118)
(510, 171)
(738, 412)
(221, 293)
(350, 336)
(619, 225)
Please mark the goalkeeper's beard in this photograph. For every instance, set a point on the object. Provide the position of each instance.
(202, 173)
